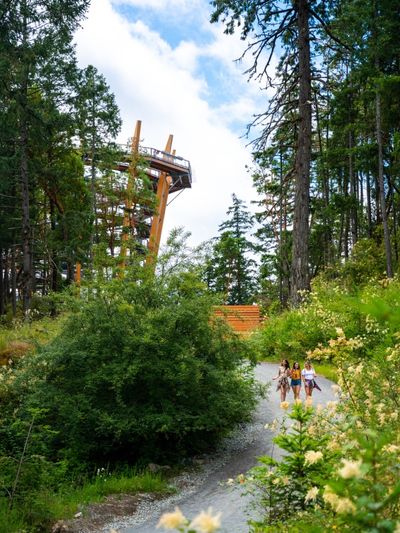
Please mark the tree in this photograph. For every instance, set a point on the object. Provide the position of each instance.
(294, 26)
(98, 122)
(33, 35)
(230, 269)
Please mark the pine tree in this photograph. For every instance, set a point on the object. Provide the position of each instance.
(33, 35)
(230, 269)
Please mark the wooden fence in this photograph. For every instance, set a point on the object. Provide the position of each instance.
(242, 318)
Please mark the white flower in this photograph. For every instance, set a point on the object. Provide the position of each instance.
(312, 457)
(344, 506)
(391, 448)
(206, 522)
(312, 494)
(350, 469)
(339, 332)
(331, 406)
(172, 520)
(335, 388)
(330, 497)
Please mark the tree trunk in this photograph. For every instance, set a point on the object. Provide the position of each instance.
(26, 222)
(353, 192)
(300, 268)
(369, 206)
(27, 276)
(2, 284)
(13, 281)
(386, 234)
(53, 253)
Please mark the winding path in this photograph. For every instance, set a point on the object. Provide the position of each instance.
(211, 488)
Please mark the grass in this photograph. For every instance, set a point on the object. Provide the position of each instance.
(21, 338)
(42, 509)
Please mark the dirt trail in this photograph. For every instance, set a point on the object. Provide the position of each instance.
(210, 489)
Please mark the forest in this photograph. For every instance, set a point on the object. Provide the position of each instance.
(129, 365)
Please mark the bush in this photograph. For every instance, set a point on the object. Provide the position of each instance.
(357, 487)
(143, 372)
(370, 316)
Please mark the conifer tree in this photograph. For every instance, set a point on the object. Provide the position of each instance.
(230, 268)
(33, 35)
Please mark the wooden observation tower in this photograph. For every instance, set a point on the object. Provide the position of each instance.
(142, 218)
(168, 174)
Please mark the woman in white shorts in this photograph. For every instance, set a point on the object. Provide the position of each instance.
(308, 375)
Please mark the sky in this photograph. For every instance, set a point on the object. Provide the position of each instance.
(173, 70)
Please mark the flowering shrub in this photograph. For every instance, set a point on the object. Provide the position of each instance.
(356, 438)
(294, 481)
(365, 317)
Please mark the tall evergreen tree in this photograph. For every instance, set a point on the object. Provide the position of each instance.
(230, 269)
(33, 34)
(293, 26)
(98, 123)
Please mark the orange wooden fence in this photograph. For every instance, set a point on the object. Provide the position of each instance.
(241, 318)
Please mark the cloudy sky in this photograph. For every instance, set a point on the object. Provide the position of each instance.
(169, 67)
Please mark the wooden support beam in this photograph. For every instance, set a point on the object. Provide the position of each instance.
(78, 273)
(128, 220)
(164, 183)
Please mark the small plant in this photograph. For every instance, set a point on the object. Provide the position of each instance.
(292, 483)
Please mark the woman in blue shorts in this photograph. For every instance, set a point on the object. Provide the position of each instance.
(295, 382)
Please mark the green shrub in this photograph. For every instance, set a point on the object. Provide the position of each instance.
(358, 487)
(143, 372)
(371, 315)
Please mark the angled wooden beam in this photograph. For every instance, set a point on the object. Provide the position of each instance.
(163, 186)
(128, 219)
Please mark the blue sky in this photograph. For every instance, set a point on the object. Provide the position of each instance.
(172, 69)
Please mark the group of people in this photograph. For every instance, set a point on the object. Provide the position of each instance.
(296, 376)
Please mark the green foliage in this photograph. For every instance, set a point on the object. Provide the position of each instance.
(357, 488)
(282, 485)
(141, 372)
(39, 509)
(230, 269)
(368, 315)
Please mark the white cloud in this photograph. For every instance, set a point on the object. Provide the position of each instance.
(162, 5)
(163, 87)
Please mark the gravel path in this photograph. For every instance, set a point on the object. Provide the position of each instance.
(207, 487)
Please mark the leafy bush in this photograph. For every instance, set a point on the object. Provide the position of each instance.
(357, 487)
(143, 372)
(293, 482)
(371, 315)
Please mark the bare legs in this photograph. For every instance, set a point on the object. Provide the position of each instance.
(296, 391)
(283, 393)
(309, 390)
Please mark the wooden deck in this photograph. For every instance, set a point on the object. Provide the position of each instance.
(242, 318)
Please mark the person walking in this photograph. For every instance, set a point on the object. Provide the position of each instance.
(308, 376)
(283, 379)
(295, 382)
